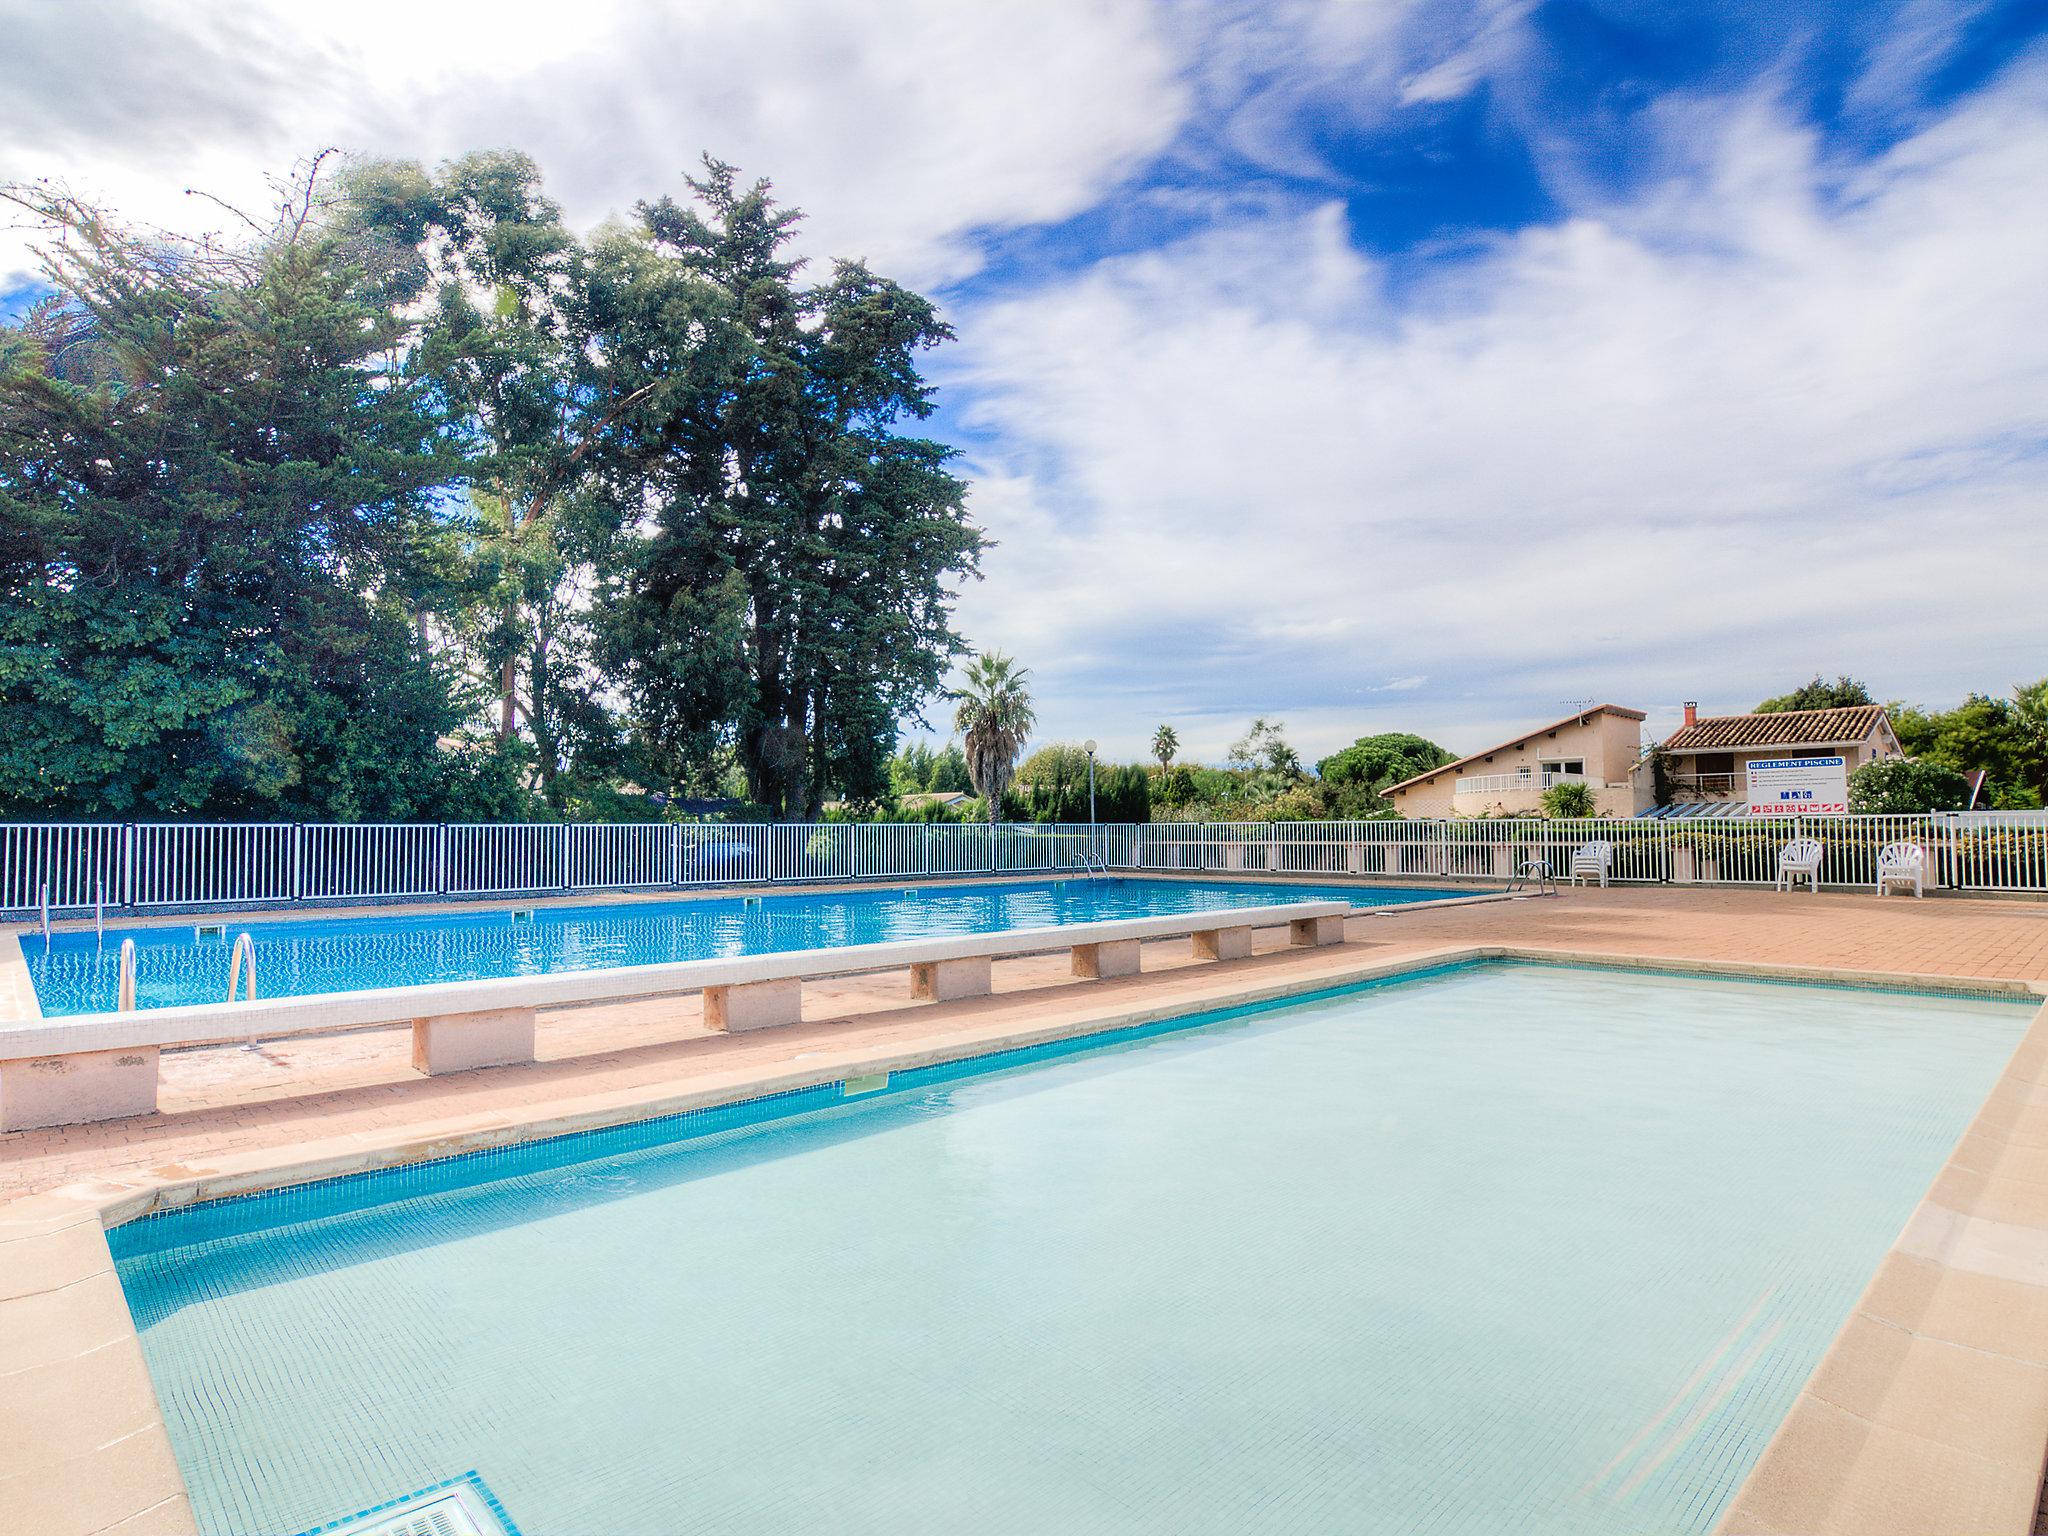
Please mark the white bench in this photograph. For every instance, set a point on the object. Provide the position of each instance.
(102, 1066)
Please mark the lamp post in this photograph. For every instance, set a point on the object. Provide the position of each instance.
(1089, 746)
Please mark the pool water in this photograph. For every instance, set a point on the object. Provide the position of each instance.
(1503, 1248)
(80, 973)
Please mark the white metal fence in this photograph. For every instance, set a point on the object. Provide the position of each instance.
(166, 865)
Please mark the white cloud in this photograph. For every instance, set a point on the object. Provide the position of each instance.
(1278, 80)
(1919, 39)
(1765, 420)
(899, 125)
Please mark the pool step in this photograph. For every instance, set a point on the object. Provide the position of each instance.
(462, 1506)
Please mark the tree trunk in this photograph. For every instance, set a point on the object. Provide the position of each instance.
(508, 682)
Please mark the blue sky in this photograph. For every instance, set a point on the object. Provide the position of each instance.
(1372, 365)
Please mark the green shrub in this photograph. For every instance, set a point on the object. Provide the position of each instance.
(1572, 798)
(1904, 786)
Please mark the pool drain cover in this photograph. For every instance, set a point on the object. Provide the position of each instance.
(462, 1506)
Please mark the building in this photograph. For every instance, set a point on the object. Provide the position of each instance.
(1707, 758)
(1599, 746)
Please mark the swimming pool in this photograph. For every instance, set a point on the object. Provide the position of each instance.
(79, 973)
(1496, 1248)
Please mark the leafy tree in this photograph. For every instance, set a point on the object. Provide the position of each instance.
(1898, 786)
(949, 775)
(218, 503)
(1263, 748)
(2000, 737)
(792, 597)
(994, 716)
(507, 343)
(1818, 694)
(1176, 786)
(1165, 742)
(1123, 792)
(2030, 730)
(1053, 787)
(1353, 779)
(1573, 798)
(918, 770)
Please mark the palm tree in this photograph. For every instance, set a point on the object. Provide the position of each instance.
(1165, 742)
(995, 716)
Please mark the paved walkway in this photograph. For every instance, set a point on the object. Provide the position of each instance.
(333, 1091)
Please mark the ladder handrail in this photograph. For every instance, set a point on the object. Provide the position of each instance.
(244, 945)
(125, 987)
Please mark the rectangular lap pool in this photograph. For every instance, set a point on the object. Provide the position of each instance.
(1498, 1248)
(80, 973)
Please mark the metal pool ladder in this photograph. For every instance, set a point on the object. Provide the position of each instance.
(245, 949)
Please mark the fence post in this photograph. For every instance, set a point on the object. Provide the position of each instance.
(441, 858)
(298, 861)
(128, 864)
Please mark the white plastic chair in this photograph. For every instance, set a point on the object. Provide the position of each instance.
(1902, 864)
(1595, 859)
(1799, 857)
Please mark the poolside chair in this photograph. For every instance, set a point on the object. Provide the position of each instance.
(1595, 859)
(1902, 864)
(1800, 857)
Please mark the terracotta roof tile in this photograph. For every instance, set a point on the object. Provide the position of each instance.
(1792, 728)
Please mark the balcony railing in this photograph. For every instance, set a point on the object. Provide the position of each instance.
(1710, 783)
(1501, 783)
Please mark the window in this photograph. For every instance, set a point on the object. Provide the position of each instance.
(1566, 765)
(1714, 762)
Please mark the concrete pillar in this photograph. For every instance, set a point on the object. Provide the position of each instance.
(1118, 957)
(940, 981)
(1503, 859)
(1354, 859)
(754, 1005)
(458, 1042)
(1314, 931)
(1223, 944)
(1684, 868)
(38, 1091)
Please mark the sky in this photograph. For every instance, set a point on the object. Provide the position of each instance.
(1433, 365)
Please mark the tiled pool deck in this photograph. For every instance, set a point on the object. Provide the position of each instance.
(1929, 1415)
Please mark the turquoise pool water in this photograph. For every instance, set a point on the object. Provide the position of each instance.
(1500, 1249)
(79, 973)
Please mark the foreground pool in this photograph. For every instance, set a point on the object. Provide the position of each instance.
(80, 973)
(1503, 1248)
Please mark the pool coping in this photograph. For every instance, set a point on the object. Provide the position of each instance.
(21, 1009)
(316, 910)
(1928, 1414)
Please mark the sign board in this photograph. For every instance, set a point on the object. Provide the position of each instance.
(1799, 786)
